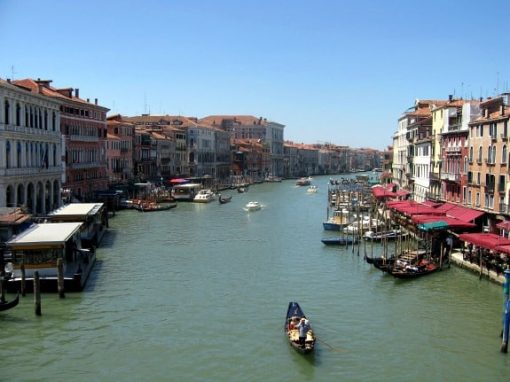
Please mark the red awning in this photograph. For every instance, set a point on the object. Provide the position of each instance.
(485, 240)
(503, 249)
(505, 224)
(381, 192)
(178, 180)
(463, 213)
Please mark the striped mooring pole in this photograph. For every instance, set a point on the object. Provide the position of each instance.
(506, 314)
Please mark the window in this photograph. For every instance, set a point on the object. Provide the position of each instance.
(503, 154)
(6, 112)
(480, 155)
(18, 115)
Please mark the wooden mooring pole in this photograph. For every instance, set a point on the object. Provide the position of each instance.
(60, 275)
(37, 294)
(23, 280)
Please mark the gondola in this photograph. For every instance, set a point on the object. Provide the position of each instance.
(340, 240)
(380, 261)
(224, 199)
(6, 305)
(293, 317)
(154, 207)
(414, 271)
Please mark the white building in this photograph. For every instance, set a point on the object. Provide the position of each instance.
(30, 150)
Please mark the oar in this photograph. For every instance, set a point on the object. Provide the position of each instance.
(337, 350)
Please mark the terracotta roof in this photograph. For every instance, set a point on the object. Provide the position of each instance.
(47, 90)
(241, 119)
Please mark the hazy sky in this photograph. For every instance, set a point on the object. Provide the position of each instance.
(330, 71)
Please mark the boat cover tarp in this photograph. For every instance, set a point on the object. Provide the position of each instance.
(485, 240)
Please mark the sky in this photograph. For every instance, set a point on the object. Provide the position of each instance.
(338, 72)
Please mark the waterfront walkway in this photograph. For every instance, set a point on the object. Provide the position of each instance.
(457, 258)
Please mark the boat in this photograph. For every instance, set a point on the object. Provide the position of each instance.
(6, 305)
(340, 240)
(224, 199)
(293, 317)
(382, 263)
(185, 192)
(153, 206)
(40, 248)
(312, 189)
(253, 206)
(339, 220)
(242, 188)
(366, 224)
(384, 235)
(405, 270)
(304, 181)
(273, 179)
(204, 196)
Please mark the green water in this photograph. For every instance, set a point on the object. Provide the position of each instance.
(199, 293)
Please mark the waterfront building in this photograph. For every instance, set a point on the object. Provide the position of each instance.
(30, 149)
(249, 127)
(145, 160)
(83, 128)
(487, 183)
(119, 150)
(419, 150)
(455, 117)
(250, 160)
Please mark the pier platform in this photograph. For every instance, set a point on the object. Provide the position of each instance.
(457, 258)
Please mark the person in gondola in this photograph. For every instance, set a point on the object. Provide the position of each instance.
(303, 328)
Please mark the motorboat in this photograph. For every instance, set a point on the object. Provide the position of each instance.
(304, 181)
(204, 196)
(339, 220)
(312, 189)
(253, 206)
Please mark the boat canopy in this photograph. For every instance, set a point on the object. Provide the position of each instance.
(44, 235)
(77, 209)
(294, 310)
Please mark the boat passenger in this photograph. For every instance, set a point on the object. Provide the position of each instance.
(303, 327)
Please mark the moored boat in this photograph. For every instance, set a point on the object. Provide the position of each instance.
(153, 206)
(384, 235)
(304, 181)
(294, 316)
(339, 220)
(411, 271)
(312, 189)
(6, 305)
(346, 240)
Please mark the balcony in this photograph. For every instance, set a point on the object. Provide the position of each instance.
(436, 197)
(453, 150)
(450, 177)
(504, 208)
(504, 136)
(489, 163)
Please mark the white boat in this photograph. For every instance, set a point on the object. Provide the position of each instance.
(204, 196)
(312, 189)
(253, 206)
(366, 224)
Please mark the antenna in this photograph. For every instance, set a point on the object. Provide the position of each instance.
(12, 72)
(145, 103)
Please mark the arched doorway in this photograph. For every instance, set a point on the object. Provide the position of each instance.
(9, 197)
(56, 194)
(20, 195)
(39, 197)
(47, 197)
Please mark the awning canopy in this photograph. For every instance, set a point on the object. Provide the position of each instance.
(381, 192)
(505, 224)
(178, 181)
(463, 213)
(435, 222)
(485, 240)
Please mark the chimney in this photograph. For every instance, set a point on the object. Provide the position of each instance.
(77, 93)
(95, 101)
(88, 100)
(8, 80)
(450, 97)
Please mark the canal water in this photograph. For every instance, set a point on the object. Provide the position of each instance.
(199, 293)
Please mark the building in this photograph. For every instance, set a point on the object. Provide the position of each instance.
(83, 128)
(30, 149)
(120, 150)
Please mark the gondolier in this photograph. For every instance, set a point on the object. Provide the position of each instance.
(303, 328)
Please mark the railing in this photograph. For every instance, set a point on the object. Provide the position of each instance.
(451, 177)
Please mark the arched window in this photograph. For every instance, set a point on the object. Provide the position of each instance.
(31, 124)
(26, 116)
(489, 154)
(471, 154)
(7, 106)
(493, 159)
(480, 154)
(503, 154)
(54, 122)
(45, 119)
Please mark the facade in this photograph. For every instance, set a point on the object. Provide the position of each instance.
(419, 151)
(487, 187)
(120, 150)
(83, 128)
(30, 149)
